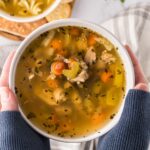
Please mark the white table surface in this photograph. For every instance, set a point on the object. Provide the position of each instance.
(96, 11)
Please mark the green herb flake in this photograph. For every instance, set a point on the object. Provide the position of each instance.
(31, 115)
(122, 1)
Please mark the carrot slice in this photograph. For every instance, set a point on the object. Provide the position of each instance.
(105, 76)
(57, 67)
(75, 31)
(52, 83)
(91, 39)
(56, 44)
(97, 118)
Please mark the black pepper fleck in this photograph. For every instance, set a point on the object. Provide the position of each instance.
(112, 116)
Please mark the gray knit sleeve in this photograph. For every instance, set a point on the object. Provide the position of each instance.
(15, 134)
(133, 130)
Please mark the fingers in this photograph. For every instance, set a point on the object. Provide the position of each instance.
(142, 86)
(8, 100)
(139, 75)
(5, 72)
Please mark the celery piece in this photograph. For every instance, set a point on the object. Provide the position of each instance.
(72, 73)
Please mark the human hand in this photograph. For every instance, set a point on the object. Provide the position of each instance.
(8, 101)
(140, 81)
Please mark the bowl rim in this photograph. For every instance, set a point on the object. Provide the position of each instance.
(51, 8)
(130, 77)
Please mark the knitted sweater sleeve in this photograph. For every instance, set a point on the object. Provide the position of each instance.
(133, 130)
(131, 133)
(15, 134)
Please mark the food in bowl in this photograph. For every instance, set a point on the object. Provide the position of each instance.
(70, 82)
(25, 8)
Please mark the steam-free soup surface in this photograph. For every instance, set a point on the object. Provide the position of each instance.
(25, 8)
(70, 82)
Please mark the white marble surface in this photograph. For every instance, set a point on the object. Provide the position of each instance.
(6, 42)
(99, 11)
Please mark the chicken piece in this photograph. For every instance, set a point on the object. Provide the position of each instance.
(107, 57)
(51, 76)
(83, 65)
(31, 76)
(82, 77)
(59, 95)
(90, 56)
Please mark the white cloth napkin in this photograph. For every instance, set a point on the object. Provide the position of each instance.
(130, 27)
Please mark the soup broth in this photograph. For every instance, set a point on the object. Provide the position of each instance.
(25, 8)
(70, 82)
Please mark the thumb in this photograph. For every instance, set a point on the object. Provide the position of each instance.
(8, 100)
(142, 86)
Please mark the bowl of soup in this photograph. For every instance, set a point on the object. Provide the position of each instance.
(26, 10)
(71, 78)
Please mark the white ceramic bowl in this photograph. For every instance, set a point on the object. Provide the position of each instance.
(31, 18)
(98, 29)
